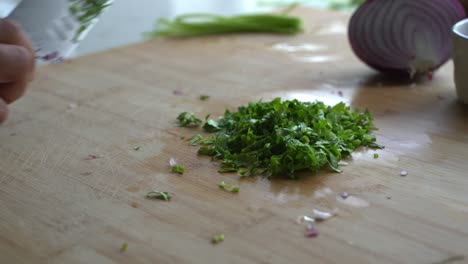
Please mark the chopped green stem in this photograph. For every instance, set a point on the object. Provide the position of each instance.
(207, 24)
(217, 239)
(159, 195)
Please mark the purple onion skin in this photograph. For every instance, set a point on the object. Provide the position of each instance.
(390, 57)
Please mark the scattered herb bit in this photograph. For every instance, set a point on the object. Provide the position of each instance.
(159, 195)
(187, 119)
(344, 195)
(340, 93)
(204, 97)
(217, 239)
(86, 173)
(282, 138)
(86, 12)
(242, 172)
(389, 197)
(403, 173)
(175, 168)
(229, 188)
(182, 137)
(124, 247)
(194, 141)
(192, 25)
(376, 155)
(311, 231)
(137, 148)
(178, 169)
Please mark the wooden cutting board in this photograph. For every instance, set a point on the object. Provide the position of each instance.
(61, 204)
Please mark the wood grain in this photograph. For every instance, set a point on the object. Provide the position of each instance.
(58, 206)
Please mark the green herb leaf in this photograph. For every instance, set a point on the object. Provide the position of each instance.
(204, 97)
(217, 239)
(285, 137)
(211, 126)
(136, 148)
(194, 141)
(86, 12)
(178, 169)
(187, 119)
(159, 195)
(229, 188)
(124, 247)
(376, 155)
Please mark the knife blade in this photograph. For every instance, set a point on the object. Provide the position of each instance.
(7, 6)
(54, 31)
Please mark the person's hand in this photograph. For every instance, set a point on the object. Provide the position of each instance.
(17, 61)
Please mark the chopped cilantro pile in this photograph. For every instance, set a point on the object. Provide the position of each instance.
(285, 137)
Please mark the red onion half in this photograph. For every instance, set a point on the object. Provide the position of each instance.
(404, 36)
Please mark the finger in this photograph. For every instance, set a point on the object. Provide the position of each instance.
(10, 92)
(3, 111)
(15, 63)
(11, 33)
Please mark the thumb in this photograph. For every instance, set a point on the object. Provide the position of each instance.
(3, 111)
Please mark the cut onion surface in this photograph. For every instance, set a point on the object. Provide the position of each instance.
(410, 37)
